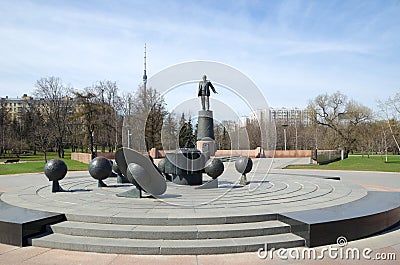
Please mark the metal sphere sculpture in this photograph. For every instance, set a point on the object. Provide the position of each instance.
(214, 167)
(120, 177)
(243, 165)
(55, 170)
(132, 170)
(115, 167)
(100, 169)
(135, 169)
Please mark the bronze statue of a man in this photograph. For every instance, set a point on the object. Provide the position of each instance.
(204, 92)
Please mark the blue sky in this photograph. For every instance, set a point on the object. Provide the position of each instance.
(293, 50)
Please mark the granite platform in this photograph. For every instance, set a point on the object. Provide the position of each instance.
(186, 220)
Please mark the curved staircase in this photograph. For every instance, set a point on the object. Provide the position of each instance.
(165, 236)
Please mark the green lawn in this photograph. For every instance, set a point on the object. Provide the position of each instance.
(359, 163)
(33, 165)
(39, 156)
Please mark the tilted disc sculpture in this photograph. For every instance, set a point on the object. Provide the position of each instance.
(243, 165)
(144, 173)
(55, 170)
(100, 169)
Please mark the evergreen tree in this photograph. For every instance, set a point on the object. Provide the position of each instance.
(186, 137)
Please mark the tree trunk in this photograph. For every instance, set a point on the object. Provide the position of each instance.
(92, 145)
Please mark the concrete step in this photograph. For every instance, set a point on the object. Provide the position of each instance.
(167, 247)
(170, 220)
(171, 232)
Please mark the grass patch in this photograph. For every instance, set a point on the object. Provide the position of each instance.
(37, 166)
(38, 157)
(359, 163)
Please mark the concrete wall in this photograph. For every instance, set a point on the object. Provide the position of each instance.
(81, 157)
(86, 158)
(258, 152)
(266, 153)
(290, 153)
(328, 156)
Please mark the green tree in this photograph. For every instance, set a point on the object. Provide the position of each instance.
(187, 139)
(226, 140)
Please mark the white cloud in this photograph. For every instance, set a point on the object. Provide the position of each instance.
(287, 48)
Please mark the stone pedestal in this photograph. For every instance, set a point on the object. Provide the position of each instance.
(207, 147)
(205, 133)
(205, 125)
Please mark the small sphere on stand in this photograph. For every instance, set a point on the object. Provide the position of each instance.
(243, 165)
(55, 170)
(100, 168)
(214, 167)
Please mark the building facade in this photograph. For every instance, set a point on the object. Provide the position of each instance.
(293, 116)
(16, 106)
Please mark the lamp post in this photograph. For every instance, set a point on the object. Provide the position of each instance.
(129, 137)
(284, 133)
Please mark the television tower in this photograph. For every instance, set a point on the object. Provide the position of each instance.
(144, 74)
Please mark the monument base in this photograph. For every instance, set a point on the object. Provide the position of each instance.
(185, 166)
(207, 147)
(205, 124)
(191, 179)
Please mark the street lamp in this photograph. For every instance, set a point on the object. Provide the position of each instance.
(129, 137)
(284, 133)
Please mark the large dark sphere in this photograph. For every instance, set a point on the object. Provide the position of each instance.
(100, 168)
(115, 167)
(55, 169)
(244, 164)
(214, 167)
(134, 169)
(161, 165)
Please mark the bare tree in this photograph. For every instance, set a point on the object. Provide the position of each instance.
(57, 107)
(41, 132)
(143, 124)
(5, 122)
(169, 132)
(391, 111)
(341, 115)
(107, 93)
(88, 113)
(254, 134)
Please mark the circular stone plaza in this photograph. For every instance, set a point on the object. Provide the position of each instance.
(231, 224)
